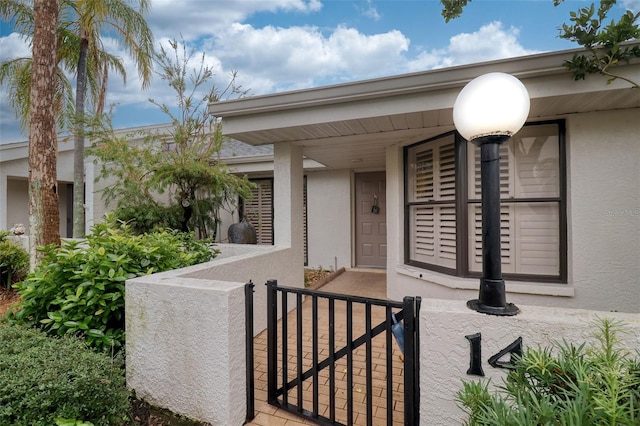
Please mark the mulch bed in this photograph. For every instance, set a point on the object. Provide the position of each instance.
(7, 298)
(316, 278)
(142, 414)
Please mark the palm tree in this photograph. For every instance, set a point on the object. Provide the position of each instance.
(15, 73)
(127, 25)
(43, 150)
(80, 51)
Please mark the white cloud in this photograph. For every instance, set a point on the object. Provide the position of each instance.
(270, 58)
(491, 41)
(9, 125)
(632, 5)
(287, 58)
(192, 19)
(371, 11)
(11, 46)
(14, 46)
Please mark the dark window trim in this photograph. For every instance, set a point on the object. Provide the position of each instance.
(462, 212)
(462, 201)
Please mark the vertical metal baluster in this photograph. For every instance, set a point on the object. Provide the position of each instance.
(315, 355)
(250, 374)
(299, 337)
(368, 363)
(349, 363)
(285, 349)
(416, 369)
(272, 341)
(332, 361)
(389, 343)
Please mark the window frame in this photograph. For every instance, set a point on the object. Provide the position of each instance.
(463, 202)
(270, 180)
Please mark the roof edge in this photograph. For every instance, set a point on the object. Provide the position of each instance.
(529, 66)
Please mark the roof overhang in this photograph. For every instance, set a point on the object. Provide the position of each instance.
(350, 125)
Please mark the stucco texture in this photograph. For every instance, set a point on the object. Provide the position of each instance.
(445, 352)
(186, 347)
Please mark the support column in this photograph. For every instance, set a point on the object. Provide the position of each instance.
(288, 220)
(288, 202)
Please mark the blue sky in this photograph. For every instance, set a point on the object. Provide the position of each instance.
(279, 45)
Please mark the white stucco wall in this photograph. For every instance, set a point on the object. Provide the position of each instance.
(445, 352)
(18, 209)
(329, 219)
(186, 328)
(244, 263)
(185, 346)
(603, 197)
(604, 209)
(14, 191)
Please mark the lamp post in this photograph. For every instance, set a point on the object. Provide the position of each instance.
(487, 112)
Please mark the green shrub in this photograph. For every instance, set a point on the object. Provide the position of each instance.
(43, 379)
(148, 217)
(79, 287)
(563, 385)
(14, 261)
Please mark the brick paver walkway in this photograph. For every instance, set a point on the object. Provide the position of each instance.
(367, 284)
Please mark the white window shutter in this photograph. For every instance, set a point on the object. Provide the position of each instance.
(537, 238)
(530, 232)
(537, 234)
(446, 184)
(434, 225)
(423, 175)
(423, 247)
(259, 210)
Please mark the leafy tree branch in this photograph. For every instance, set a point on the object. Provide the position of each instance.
(180, 160)
(606, 45)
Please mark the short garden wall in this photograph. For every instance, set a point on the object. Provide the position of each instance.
(185, 346)
(445, 352)
(257, 264)
(186, 331)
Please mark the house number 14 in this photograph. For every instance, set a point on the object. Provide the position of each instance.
(475, 359)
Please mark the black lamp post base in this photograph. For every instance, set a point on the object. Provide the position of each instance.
(508, 310)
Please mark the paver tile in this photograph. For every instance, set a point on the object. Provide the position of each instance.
(353, 283)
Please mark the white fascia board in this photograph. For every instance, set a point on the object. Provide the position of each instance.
(432, 90)
(424, 81)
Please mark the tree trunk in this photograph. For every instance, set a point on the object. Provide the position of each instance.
(43, 143)
(78, 149)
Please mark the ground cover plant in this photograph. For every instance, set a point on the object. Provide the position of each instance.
(79, 287)
(49, 381)
(563, 384)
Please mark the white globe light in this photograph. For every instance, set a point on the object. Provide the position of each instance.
(492, 104)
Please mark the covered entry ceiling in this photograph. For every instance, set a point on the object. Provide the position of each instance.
(350, 125)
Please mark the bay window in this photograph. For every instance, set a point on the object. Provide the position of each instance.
(443, 223)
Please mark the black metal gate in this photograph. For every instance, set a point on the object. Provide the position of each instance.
(331, 367)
